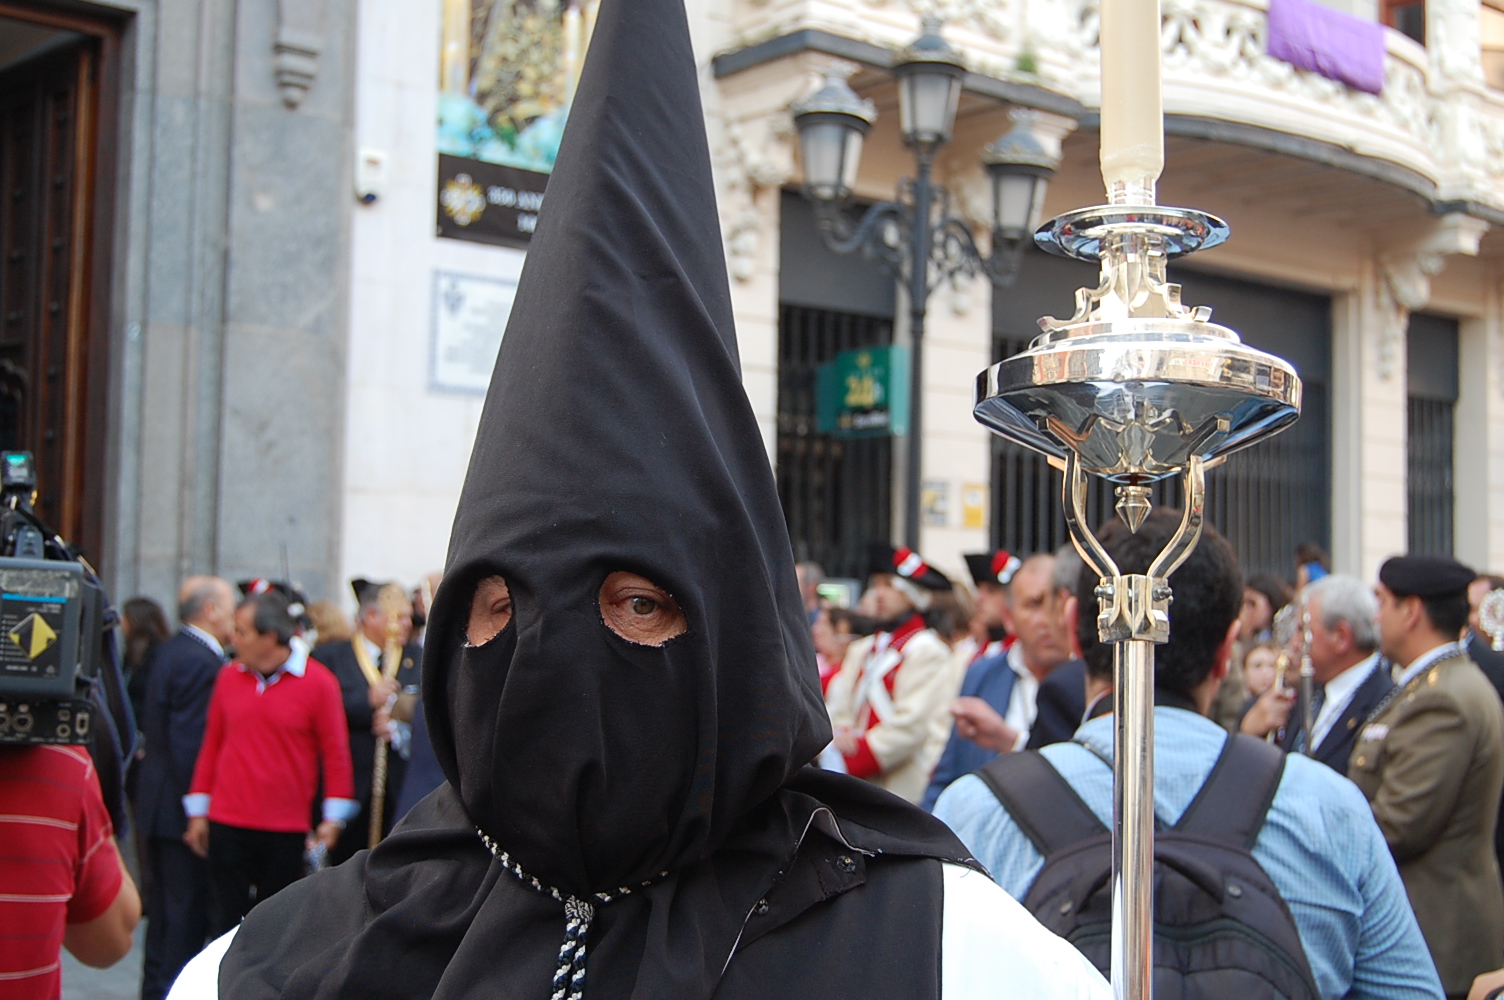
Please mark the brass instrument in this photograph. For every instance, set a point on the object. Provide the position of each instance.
(393, 605)
(1284, 631)
(1307, 681)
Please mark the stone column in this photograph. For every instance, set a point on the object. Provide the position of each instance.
(957, 450)
(1368, 430)
(1370, 400)
(1478, 451)
(229, 424)
(286, 299)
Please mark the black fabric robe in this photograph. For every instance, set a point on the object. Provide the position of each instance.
(670, 779)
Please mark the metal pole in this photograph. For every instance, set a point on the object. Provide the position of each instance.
(1307, 685)
(919, 293)
(1132, 970)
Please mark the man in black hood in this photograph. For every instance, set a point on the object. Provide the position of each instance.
(618, 678)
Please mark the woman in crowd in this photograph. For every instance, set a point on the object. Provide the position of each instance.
(143, 627)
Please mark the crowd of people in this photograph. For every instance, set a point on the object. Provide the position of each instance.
(621, 694)
(259, 720)
(1381, 829)
(261, 714)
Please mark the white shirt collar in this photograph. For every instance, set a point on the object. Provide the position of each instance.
(205, 638)
(1339, 694)
(1426, 659)
(295, 664)
(372, 650)
(1016, 661)
(297, 661)
(1022, 703)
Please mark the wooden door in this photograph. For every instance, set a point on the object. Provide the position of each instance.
(48, 112)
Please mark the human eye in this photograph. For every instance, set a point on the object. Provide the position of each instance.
(639, 610)
(490, 610)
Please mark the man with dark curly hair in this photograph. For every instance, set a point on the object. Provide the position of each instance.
(1317, 844)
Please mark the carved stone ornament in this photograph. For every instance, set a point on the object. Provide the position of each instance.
(993, 19)
(748, 168)
(1405, 280)
(1453, 28)
(295, 53)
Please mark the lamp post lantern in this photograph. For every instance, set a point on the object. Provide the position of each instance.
(915, 236)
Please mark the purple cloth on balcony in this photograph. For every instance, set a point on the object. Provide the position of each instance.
(1338, 46)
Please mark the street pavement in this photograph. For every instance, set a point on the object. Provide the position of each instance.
(121, 981)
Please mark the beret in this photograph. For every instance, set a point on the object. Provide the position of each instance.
(1425, 576)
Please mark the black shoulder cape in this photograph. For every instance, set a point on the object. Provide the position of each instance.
(429, 913)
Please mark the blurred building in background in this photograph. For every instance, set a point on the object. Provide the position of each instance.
(258, 255)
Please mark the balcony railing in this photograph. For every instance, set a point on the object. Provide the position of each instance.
(1436, 118)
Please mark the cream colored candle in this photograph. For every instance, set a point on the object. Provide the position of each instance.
(1133, 140)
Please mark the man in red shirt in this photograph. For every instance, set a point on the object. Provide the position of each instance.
(274, 717)
(61, 880)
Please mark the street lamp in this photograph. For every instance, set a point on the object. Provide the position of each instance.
(915, 236)
(929, 76)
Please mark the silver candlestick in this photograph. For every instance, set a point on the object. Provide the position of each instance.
(1135, 388)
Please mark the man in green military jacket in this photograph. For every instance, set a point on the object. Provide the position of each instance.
(1430, 759)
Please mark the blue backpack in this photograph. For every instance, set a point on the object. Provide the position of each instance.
(1221, 928)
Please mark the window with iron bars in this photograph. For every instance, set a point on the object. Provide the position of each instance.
(837, 493)
(1432, 385)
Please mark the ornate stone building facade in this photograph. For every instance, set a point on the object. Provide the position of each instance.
(1385, 206)
(245, 329)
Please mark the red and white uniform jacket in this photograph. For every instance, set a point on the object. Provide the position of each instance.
(895, 689)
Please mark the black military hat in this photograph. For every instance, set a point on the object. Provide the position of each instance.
(993, 567)
(1425, 576)
(367, 590)
(906, 564)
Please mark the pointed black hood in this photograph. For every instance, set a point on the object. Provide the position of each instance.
(617, 436)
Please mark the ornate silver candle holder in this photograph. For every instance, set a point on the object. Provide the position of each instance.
(1135, 387)
(1491, 618)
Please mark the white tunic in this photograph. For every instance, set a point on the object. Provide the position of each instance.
(990, 946)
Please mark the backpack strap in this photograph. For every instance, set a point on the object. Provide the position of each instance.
(1042, 803)
(1236, 796)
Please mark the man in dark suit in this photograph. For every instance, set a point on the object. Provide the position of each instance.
(997, 708)
(1351, 678)
(359, 664)
(173, 717)
(1061, 704)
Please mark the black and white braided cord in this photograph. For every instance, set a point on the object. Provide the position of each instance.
(569, 977)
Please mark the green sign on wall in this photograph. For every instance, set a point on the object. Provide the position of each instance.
(864, 393)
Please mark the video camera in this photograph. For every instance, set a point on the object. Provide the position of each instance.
(50, 622)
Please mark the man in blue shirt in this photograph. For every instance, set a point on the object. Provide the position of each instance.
(1319, 844)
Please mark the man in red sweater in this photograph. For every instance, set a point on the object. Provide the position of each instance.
(274, 717)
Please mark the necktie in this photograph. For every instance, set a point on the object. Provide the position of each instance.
(1317, 700)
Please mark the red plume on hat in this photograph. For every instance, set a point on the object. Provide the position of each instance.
(908, 565)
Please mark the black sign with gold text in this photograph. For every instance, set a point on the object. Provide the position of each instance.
(488, 203)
